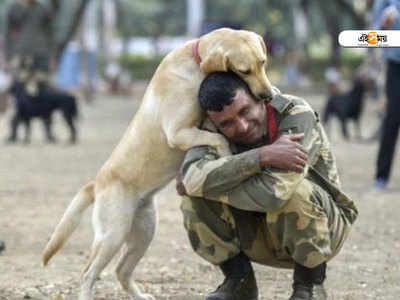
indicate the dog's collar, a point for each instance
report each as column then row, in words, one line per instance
column 195, row 51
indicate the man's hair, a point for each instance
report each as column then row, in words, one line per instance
column 218, row 89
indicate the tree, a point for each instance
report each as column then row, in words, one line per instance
column 152, row 18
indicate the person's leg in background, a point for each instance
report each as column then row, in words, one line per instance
column 391, row 125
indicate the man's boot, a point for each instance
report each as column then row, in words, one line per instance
column 308, row 283
column 240, row 282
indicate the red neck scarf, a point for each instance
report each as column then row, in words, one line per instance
column 272, row 125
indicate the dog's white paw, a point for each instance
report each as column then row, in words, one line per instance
column 222, row 146
column 224, row 150
column 148, row 297
column 142, row 297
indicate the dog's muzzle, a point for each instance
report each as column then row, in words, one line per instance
column 265, row 96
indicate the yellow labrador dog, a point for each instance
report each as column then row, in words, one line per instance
column 151, row 151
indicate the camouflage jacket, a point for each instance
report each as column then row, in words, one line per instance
column 29, row 30
column 238, row 180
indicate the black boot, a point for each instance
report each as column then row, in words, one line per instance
column 240, row 282
column 308, row 283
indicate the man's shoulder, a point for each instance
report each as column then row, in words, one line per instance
column 289, row 104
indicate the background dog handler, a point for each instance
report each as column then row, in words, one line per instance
column 386, row 15
column 28, row 52
column 269, row 202
column 29, row 42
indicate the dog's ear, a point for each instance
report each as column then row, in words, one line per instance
column 263, row 44
column 215, row 61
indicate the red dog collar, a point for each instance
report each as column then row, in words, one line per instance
column 195, row 51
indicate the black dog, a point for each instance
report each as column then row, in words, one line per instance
column 42, row 106
column 349, row 106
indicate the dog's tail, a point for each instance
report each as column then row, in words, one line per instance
column 71, row 219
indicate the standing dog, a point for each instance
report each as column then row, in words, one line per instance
column 349, row 106
column 151, row 151
column 41, row 106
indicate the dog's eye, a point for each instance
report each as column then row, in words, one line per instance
column 246, row 72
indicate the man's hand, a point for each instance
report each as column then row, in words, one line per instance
column 285, row 153
column 389, row 16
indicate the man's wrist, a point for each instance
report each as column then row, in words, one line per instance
column 264, row 158
column 248, row 162
column 255, row 159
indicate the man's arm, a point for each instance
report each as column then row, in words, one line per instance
column 240, row 180
column 384, row 13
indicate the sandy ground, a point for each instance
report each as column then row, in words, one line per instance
column 38, row 181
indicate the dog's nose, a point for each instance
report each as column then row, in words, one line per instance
column 265, row 96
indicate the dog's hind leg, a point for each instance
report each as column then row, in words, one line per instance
column 113, row 214
column 69, row 119
column 14, row 124
column 345, row 132
column 142, row 233
column 27, row 123
column 47, row 121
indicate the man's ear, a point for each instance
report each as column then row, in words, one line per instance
column 215, row 61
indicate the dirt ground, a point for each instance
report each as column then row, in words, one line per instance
column 37, row 182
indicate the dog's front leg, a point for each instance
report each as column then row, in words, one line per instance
column 181, row 129
column 27, row 123
column 14, row 128
column 186, row 138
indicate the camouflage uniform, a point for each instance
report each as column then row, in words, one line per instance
column 29, row 43
column 274, row 216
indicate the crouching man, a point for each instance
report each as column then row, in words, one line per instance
column 276, row 201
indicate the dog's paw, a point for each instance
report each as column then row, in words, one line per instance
column 10, row 140
column 147, row 297
column 224, row 150
column 52, row 140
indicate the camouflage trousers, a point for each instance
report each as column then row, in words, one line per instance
column 310, row 229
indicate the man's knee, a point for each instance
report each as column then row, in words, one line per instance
column 213, row 214
column 304, row 228
column 210, row 236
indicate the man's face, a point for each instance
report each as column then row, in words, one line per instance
column 242, row 122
